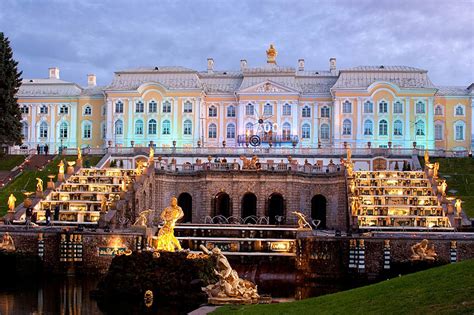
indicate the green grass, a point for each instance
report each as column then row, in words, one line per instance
column 26, row 181
column 443, row 290
column 7, row 162
column 459, row 174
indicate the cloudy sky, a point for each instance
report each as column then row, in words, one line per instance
column 101, row 37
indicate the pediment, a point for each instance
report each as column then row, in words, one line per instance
column 268, row 87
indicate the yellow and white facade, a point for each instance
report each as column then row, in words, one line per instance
column 373, row 106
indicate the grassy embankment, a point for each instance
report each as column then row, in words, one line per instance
column 7, row 162
column 442, row 290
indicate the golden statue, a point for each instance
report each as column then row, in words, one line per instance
column 79, row 153
column 142, row 219
column 421, row 251
column 39, row 184
column 435, row 169
column 427, row 157
column 352, row 187
column 271, row 54
column 11, row 202
column 151, row 156
column 444, row 185
column 458, row 207
column 7, row 243
column 349, row 154
column 103, row 204
column 166, row 239
column 349, row 168
column 229, row 289
column 249, row 164
column 61, row 167
column 302, row 222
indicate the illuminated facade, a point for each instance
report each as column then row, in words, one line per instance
column 373, row 106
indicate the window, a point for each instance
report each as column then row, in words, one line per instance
column 346, row 127
column 152, row 127
column 166, row 107
column 286, row 131
column 438, row 131
column 139, row 127
column 87, row 110
column 325, row 112
column 119, row 107
column 87, row 130
column 63, row 130
column 139, row 107
column 24, row 109
column 152, row 107
column 439, row 110
column 325, row 132
column 230, row 131
column 188, row 127
column 212, row 111
column 249, row 109
column 231, row 111
column 287, row 109
column 43, row 109
column 306, row 131
column 397, row 128
column 63, row 110
column 103, row 130
column 383, row 107
column 24, row 129
column 459, row 130
column 420, row 107
column 306, row 111
column 43, row 130
column 398, row 107
column 166, row 127
column 249, row 129
column 420, row 128
column 368, row 127
column 188, row 107
column 212, row 131
column 346, row 107
column 459, row 111
column 268, row 109
column 119, row 127
column 383, row 128
column 368, row 107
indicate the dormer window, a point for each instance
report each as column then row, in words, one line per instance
column 87, row 111
column 24, row 109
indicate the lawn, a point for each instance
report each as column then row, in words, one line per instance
column 442, row 290
column 459, row 174
column 7, row 162
column 26, row 181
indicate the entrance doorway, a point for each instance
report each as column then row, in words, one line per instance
column 249, row 205
column 318, row 210
column 185, row 201
column 222, row 205
column 276, row 208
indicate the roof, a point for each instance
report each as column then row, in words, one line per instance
column 48, row 87
column 93, row 91
column 453, row 91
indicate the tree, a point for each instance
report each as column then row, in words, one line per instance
column 10, row 81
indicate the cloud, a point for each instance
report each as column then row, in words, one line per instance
column 102, row 37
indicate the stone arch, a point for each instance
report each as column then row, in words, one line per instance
column 318, row 210
column 222, row 205
column 276, row 206
column 185, row 201
column 248, row 205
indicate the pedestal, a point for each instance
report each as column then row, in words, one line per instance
column 70, row 170
column 79, row 163
column 450, row 207
column 60, row 177
column 457, row 221
column 50, row 185
column 39, row 194
column 27, row 202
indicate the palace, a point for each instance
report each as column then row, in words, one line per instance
column 360, row 107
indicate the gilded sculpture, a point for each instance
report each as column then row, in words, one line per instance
column 435, row 169
column 229, row 289
column 79, row 154
column 61, row 167
column 427, row 157
column 458, row 207
column 11, row 202
column 421, row 251
column 166, row 239
column 7, row 243
column 349, row 155
column 302, row 222
column 249, row 164
column 444, row 185
column 151, row 156
column 142, row 219
column 349, row 168
column 271, row 54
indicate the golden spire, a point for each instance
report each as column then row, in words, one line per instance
column 271, row 54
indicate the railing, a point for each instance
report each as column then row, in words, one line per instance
column 266, row 138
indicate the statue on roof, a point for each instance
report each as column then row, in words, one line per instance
column 271, row 54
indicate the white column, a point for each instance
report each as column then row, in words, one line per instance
column 407, row 135
column 109, row 121
column 295, row 128
column 52, row 131
column 240, row 118
column 202, row 118
column 128, row 136
column 73, row 123
column 33, row 139
column 220, row 119
column 315, row 131
column 174, row 126
column 360, row 124
column 197, row 121
column 336, row 125
column 430, row 125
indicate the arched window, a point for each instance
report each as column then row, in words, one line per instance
column 438, row 131
column 398, row 128
column 383, row 128
column 268, row 109
column 306, row 112
column 63, row 110
column 325, row 132
column 286, row 131
column 167, row 107
column 212, row 111
column 152, row 107
column 249, row 129
column 420, row 128
column 398, row 107
column 368, row 107
column 212, row 132
column 24, row 130
column 63, row 130
column 166, row 127
column 346, row 127
column 420, row 107
column 306, row 131
column 139, row 107
column 346, row 107
column 119, row 127
column 43, row 109
column 43, row 130
column 188, row 107
column 87, row 110
column 439, row 110
column 119, row 107
column 249, row 109
column 231, row 111
column 325, row 112
column 139, row 127
column 230, row 131
column 368, row 128
column 459, row 130
column 24, row 109
column 383, row 107
column 459, row 110
column 86, row 130
column 152, row 127
column 187, row 127
column 287, row 109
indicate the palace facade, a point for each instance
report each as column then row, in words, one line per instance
column 377, row 106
